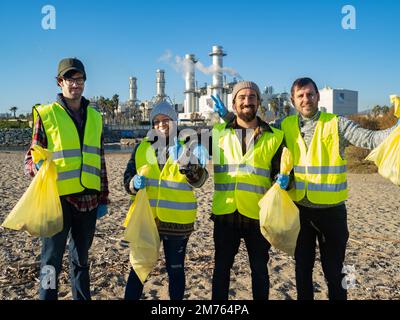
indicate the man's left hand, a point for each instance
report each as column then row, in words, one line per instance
column 102, row 210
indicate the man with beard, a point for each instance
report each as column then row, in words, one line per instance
column 317, row 141
column 246, row 156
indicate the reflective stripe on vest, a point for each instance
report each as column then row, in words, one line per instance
column 173, row 205
column 320, row 172
column 321, row 169
column 169, row 184
column 243, row 168
column 78, row 169
column 240, row 186
column 171, row 196
column 75, row 152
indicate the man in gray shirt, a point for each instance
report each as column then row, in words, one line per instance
column 317, row 141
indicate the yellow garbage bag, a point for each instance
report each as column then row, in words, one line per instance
column 142, row 234
column 143, row 171
column 396, row 102
column 279, row 216
column 387, row 157
column 39, row 210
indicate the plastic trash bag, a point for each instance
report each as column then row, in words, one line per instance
column 143, row 171
column 396, row 103
column 39, row 210
column 387, row 157
column 142, row 234
column 279, row 216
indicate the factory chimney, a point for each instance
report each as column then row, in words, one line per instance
column 160, row 85
column 132, row 90
column 190, row 90
column 217, row 55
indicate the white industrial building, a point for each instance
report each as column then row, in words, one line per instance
column 338, row 101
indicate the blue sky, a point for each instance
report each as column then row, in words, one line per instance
column 269, row 42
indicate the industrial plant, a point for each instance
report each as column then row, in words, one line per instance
column 198, row 105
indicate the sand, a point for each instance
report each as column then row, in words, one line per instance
column 373, row 249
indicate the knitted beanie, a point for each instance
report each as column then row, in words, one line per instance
column 163, row 108
column 245, row 85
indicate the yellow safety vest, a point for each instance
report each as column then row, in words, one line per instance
column 78, row 166
column 171, row 197
column 240, row 181
column 320, row 171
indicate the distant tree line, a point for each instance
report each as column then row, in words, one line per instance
column 106, row 106
column 380, row 110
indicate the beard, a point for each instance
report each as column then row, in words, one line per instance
column 249, row 115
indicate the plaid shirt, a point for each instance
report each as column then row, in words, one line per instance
column 85, row 202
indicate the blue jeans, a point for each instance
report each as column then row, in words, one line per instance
column 80, row 227
column 175, row 252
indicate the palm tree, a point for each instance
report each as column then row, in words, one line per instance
column 286, row 108
column 385, row 109
column 115, row 103
column 273, row 104
column 14, row 110
column 376, row 111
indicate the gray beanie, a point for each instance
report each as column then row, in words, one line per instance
column 163, row 108
column 245, row 85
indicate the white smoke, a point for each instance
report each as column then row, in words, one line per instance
column 181, row 65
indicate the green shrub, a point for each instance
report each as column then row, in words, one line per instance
column 18, row 124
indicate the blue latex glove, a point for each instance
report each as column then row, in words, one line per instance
column 398, row 122
column 176, row 150
column 139, row 182
column 219, row 106
column 102, row 210
column 283, row 181
column 201, row 153
column 39, row 164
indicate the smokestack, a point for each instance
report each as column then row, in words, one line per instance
column 190, row 96
column 132, row 90
column 217, row 55
column 160, row 85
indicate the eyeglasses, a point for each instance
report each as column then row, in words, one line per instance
column 71, row 81
column 161, row 122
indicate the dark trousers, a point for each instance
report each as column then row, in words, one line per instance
column 329, row 226
column 227, row 241
column 80, row 227
column 175, row 252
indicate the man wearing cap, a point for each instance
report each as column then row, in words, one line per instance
column 73, row 131
column 175, row 169
column 246, row 156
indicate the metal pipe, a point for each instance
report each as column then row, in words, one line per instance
column 160, row 85
column 190, row 90
column 132, row 89
column 217, row 55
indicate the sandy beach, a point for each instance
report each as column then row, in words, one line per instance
column 373, row 248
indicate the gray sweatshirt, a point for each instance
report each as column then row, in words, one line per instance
column 349, row 133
